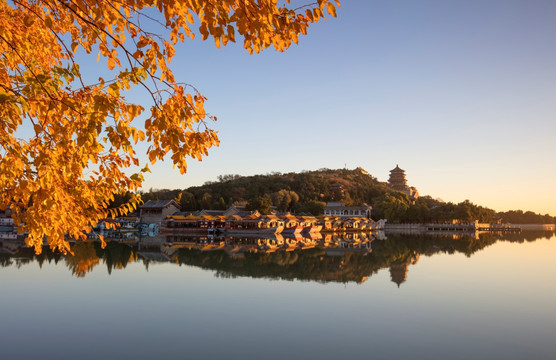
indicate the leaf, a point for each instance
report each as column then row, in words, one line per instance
column 28, row 20
column 331, row 9
column 143, row 41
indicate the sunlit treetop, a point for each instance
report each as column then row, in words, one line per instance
column 66, row 143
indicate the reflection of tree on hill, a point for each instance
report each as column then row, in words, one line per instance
column 5, row 260
column 27, row 255
column 527, row 236
column 84, row 258
column 116, row 256
column 48, row 256
column 311, row 264
column 395, row 254
column 87, row 255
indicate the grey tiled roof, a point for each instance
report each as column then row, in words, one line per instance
column 213, row 212
column 156, row 204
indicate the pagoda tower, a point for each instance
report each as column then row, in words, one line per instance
column 397, row 179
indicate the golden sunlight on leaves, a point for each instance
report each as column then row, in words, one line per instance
column 59, row 181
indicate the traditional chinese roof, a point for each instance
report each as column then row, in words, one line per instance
column 251, row 217
column 233, row 217
column 158, row 204
column 397, row 169
column 207, row 217
column 290, row 217
column 212, row 212
column 270, row 217
column 332, row 205
column 181, row 217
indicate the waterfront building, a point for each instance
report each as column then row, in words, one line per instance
column 211, row 213
column 6, row 217
column 6, row 221
column 239, row 209
column 154, row 211
column 340, row 210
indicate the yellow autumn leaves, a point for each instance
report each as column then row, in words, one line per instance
column 60, row 178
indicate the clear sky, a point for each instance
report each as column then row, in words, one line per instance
column 460, row 94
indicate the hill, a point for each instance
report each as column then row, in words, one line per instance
column 309, row 191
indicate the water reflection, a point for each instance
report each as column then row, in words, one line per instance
column 333, row 258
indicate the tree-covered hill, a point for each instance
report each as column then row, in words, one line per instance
column 309, row 191
column 296, row 192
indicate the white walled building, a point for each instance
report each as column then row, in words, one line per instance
column 339, row 209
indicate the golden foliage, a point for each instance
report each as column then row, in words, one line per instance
column 60, row 178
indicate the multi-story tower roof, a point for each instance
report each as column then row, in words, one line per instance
column 397, row 179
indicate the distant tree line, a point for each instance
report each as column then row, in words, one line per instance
column 527, row 217
column 309, row 191
column 397, row 207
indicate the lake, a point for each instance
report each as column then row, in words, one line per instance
column 400, row 296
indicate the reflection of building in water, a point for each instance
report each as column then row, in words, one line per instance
column 398, row 182
column 10, row 246
column 151, row 250
column 398, row 271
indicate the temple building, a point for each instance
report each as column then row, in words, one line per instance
column 339, row 209
column 154, row 211
column 398, row 182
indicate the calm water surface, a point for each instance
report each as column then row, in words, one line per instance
column 408, row 296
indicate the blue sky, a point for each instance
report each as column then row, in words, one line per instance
column 460, row 94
